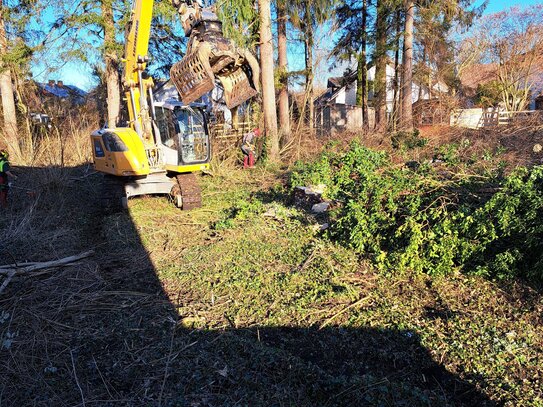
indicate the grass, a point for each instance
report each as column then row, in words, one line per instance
column 245, row 263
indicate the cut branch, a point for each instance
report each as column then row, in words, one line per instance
column 24, row 268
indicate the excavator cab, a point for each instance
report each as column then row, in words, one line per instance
column 184, row 135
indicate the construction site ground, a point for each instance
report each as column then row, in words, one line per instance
column 230, row 306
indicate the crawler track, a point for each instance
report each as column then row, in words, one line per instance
column 190, row 191
column 111, row 194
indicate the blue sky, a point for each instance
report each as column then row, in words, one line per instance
column 500, row 5
column 79, row 74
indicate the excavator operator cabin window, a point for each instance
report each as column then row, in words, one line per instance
column 166, row 122
column 193, row 138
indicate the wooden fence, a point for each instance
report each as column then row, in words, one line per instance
column 226, row 138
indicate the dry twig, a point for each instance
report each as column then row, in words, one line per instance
column 354, row 304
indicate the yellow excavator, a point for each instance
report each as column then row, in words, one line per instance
column 165, row 143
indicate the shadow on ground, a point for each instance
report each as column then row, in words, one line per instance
column 104, row 333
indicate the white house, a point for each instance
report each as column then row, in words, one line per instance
column 343, row 90
column 336, row 109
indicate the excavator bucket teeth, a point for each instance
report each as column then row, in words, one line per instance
column 237, row 88
column 193, row 77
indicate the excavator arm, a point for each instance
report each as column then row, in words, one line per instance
column 136, row 85
column 212, row 59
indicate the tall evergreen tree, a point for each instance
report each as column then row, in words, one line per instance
column 103, row 22
column 307, row 16
column 406, row 116
column 112, row 62
column 240, row 22
column 352, row 20
column 282, row 62
column 380, row 59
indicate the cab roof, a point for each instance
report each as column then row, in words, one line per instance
column 173, row 103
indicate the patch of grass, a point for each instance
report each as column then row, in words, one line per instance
column 255, row 267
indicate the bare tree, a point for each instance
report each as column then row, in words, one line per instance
column 511, row 44
column 284, row 116
column 515, row 44
column 268, row 85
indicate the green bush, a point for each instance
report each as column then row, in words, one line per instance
column 418, row 221
column 408, row 140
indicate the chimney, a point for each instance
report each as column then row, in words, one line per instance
column 60, row 84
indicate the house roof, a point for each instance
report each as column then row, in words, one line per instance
column 340, row 81
column 63, row 91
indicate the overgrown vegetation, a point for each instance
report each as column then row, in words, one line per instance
column 430, row 217
column 261, row 266
column 245, row 302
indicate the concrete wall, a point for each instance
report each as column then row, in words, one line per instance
column 470, row 118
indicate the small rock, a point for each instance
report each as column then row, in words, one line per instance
column 318, row 189
column 270, row 213
column 537, row 148
column 319, row 227
column 305, row 197
column 320, row 207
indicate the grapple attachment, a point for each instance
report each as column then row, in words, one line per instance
column 193, row 76
column 237, row 88
column 211, row 56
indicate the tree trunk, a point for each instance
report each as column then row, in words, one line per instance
column 8, row 100
column 422, row 63
column 406, row 121
column 380, row 67
column 112, row 65
column 396, row 103
column 362, row 71
column 284, row 116
column 268, row 85
column 308, row 42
